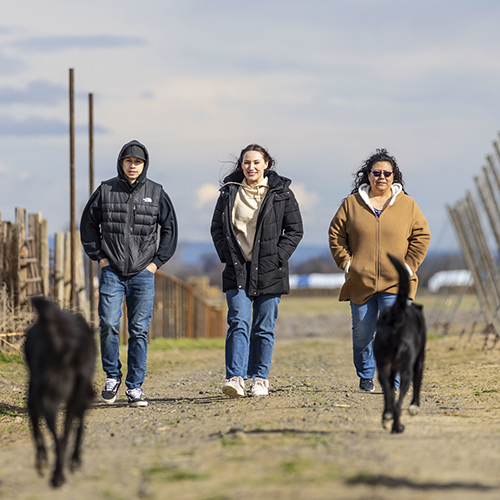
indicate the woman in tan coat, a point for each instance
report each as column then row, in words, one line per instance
column 377, row 218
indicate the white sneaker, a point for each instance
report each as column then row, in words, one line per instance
column 234, row 387
column 259, row 387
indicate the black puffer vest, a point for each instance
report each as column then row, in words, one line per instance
column 129, row 223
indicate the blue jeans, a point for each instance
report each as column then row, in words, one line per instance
column 249, row 349
column 139, row 291
column 364, row 323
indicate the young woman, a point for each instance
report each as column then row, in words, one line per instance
column 255, row 228
column 376, row 219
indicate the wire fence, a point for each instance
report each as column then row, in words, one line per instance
column 180, row 311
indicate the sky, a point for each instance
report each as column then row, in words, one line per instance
column 320, row 84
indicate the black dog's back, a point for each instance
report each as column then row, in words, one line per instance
column 399, row 347
column 60, row 353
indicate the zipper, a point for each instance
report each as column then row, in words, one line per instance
column 378, row 253
column 130, row 212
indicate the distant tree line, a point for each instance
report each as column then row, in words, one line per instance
column 210, row 266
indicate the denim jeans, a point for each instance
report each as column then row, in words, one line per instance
column 139, row 291
column 364, row 322
column 250, row 336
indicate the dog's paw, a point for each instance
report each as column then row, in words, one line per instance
column 75, row 463
column 397, row 429
column 413, row 410
column 387, row 421
column 58, row 479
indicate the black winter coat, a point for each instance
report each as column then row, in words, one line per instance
column 279, row 231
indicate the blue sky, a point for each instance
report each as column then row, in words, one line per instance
column 321, row 84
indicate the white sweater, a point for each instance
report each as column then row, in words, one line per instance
column 245, row 213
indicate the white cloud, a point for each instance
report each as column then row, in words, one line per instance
column 307, row 199
column 206, row 195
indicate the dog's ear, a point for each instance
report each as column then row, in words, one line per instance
column 45, row 308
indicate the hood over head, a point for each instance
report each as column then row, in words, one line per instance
column 135, row 149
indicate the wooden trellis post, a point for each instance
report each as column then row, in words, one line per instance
column 488, row 306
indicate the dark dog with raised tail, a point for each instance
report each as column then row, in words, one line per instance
column 399, row 347
column 60, row 352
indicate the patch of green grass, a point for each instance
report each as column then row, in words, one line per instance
column 173, row 422
column 240, row 458
column 296, row 466
column 185, row 344
column 231, row 441
column 10, row 358
column 110, row 495
column 319, row 440
column 433, row 336
column 169, row 473
column 8, row 413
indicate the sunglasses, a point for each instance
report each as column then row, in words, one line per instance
column 378, row 173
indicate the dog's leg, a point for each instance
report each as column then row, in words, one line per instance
column 63, row 445
column 397, row 426
column 41, row 451
column 58, row 478
column 76, row 460
column 417, row 382
column 384, row 380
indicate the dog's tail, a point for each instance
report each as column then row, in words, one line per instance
column 404, row 283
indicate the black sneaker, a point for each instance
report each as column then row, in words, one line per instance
column 111, row 386
column 366, row 384
column 136, row 397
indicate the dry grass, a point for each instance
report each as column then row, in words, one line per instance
column 13, row 323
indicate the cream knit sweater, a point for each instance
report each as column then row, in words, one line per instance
column 245, row 213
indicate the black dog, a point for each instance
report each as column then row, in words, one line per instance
column 60, row 352
column 399, row 347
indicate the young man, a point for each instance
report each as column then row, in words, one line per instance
column 119, row 229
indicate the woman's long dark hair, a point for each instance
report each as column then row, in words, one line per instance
column 271, row 162
column 361, row 176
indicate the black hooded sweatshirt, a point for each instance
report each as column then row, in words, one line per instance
column 121, row 221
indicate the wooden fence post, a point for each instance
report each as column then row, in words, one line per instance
column 59, row 264
column 68, row 276
column 44, row 258
column 81, row 289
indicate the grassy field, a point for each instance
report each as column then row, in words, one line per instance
column 309, row 306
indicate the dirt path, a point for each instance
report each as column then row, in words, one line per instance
column 314, row 437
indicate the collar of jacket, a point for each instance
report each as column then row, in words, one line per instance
column 365, row 188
